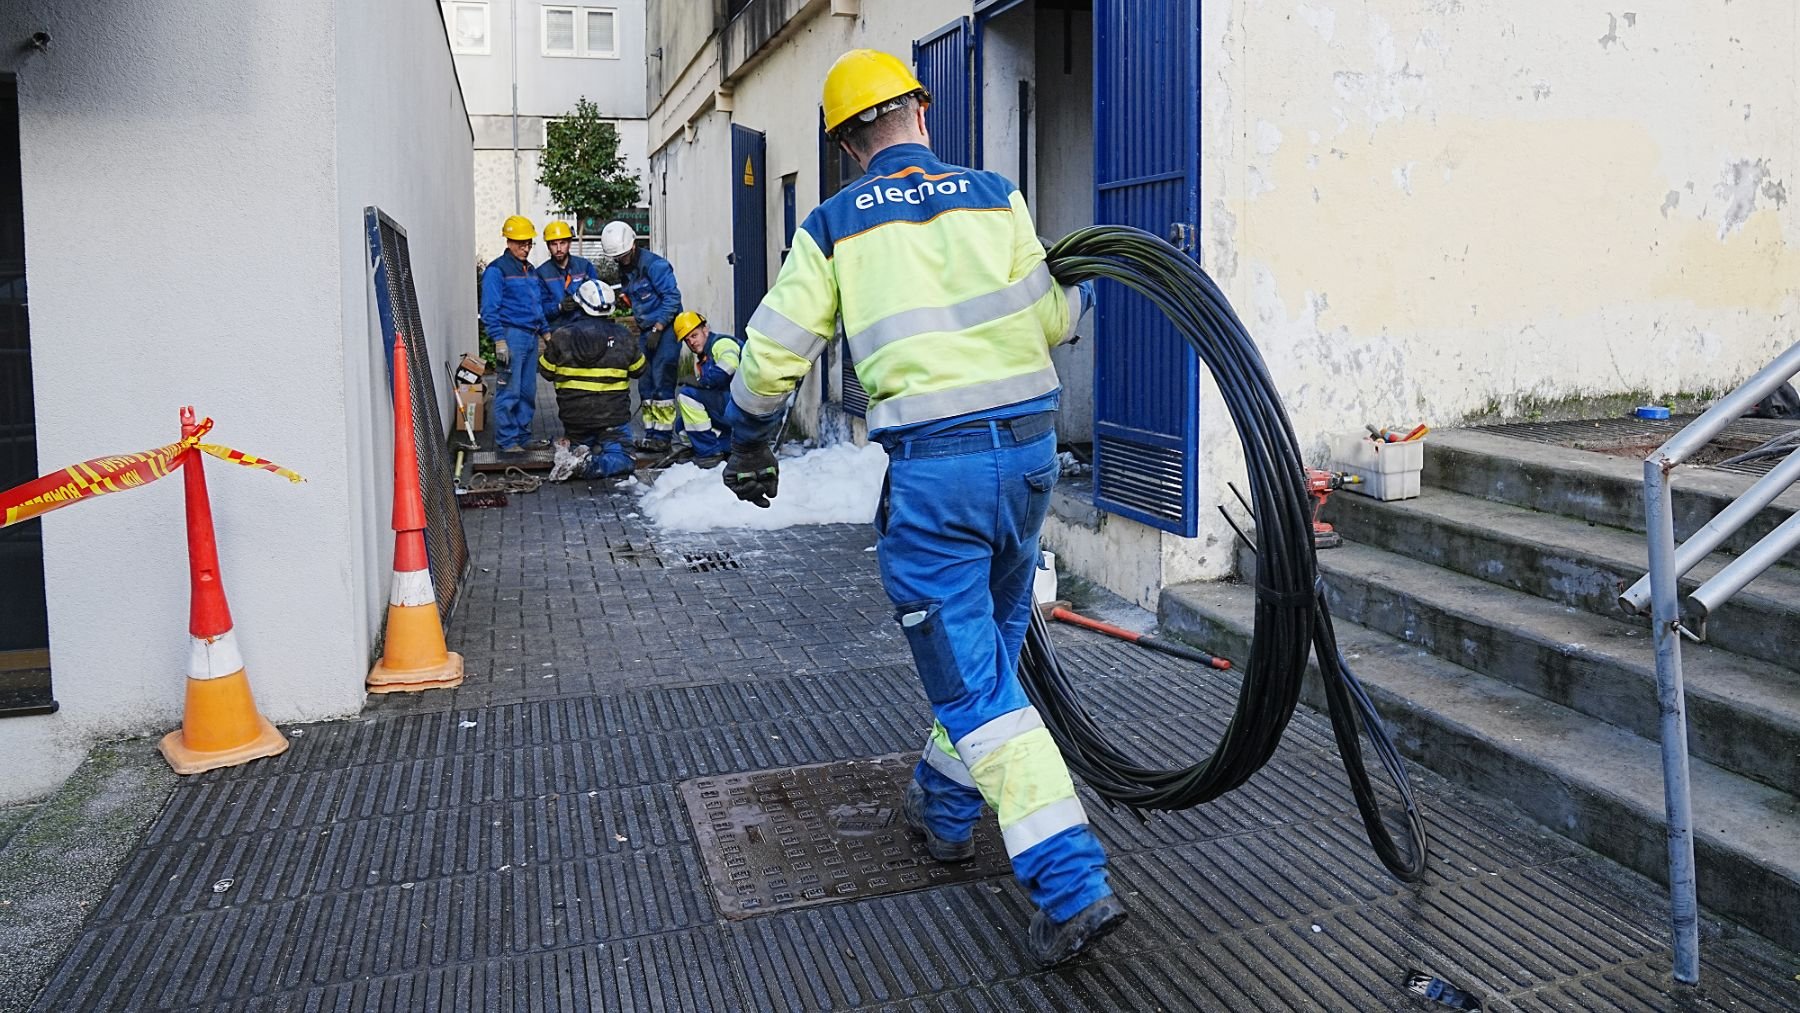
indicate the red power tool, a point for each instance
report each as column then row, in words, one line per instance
column 1320, row 485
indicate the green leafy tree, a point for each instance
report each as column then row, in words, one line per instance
column 582, row 168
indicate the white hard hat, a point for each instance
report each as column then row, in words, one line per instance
column 617, row 239
column 594, row 297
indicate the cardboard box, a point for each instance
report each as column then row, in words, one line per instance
column 1389, row 471
column 471, row 407
column 470, row 371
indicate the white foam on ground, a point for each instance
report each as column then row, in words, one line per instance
column 839, row 484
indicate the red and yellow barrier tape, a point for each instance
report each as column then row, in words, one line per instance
column 116, row 474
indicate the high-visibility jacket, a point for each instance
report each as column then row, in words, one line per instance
column 592, row 363
column 650, row 283
column 560, row 283
column 511, row 297
column 939, row 277
column 716, row 364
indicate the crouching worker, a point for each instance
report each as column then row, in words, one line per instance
column 705, row 393
column 592, row 362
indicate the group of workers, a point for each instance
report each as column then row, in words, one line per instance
column 592, row 359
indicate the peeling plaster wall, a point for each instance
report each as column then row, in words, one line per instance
column 1425, row 210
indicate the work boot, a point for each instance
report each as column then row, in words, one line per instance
column 651, row 445
column 538, row 444
column 913, row 811
column 710, row 461
column 1053, row 943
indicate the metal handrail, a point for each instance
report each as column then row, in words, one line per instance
column 1667, row 565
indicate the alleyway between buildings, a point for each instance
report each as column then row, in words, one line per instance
column 523, row 843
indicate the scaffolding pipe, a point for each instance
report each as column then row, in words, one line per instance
column 1666, row 623
column 1721, row 527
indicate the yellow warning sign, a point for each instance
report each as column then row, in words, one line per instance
column 749, row 173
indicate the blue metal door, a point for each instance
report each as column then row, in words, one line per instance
column 749, row 224
column 946, row 67
column 1147, row 174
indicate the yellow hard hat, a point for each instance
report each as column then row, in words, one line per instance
column 686, row 321
column 518, row 227
column 558, row 230
column 863, row 79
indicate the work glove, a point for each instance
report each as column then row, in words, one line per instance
column 652, row 339
column 502, row 354
column 752, row 474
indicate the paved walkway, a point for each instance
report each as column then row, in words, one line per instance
column 520, row 843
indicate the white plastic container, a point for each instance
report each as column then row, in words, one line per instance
column 1043, row 584
column 1389, row 471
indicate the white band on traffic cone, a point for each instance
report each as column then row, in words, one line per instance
column 215, row 657
column 412, row 588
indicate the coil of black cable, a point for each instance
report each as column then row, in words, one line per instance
column 1292, row 620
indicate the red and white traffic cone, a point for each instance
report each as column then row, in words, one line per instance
column 413, row 655
column 220, row 726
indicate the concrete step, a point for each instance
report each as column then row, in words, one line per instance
column 1565, row 560
column 1600, row 488
column 1598, row 785
column 1743, row 714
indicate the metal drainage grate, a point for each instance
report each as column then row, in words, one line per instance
column 707, row 562
column 799, row 836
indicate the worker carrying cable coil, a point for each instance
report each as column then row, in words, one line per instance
column 949, row 304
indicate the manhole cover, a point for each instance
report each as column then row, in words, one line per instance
column 706, row 562
column 799, row 836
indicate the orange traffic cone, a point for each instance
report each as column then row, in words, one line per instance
column 413, row 656
column 220, row 726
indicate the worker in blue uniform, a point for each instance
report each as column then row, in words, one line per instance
column 703, row 395
column 938, row 277
column 562, row 274
column 655, row 300
column 512, row 310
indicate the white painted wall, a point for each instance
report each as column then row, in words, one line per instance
column 202, row 147
column 1424, row 211
column 407, row 153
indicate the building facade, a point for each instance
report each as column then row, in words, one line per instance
column 523, row 63
column 193, row 185
column 1423, row 213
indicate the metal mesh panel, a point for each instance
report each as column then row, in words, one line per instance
column 397, row 300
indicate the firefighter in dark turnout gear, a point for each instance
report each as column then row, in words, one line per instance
column 592, row 362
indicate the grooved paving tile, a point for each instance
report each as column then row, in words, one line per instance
column 460, row 850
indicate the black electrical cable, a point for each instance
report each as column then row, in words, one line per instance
column 1292, row 620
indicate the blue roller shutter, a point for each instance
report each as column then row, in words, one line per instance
column 1147, row 174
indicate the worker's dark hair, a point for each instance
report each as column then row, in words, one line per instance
column 874, row 134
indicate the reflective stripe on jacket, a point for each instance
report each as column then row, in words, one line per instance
column 717, row 362
column 938, row 275
column 592, row 363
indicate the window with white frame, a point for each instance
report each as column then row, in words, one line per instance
column 591, row 32
column 467, row 21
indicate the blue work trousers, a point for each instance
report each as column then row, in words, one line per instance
column 701, row 415
column 515, row 400
column 657, row 388
column 959, row 524
column 608, row 457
